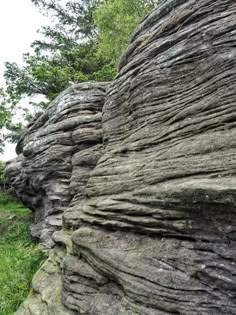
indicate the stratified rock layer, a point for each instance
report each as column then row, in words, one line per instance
column 157, row 229
column 57, row 153
column 161, row 200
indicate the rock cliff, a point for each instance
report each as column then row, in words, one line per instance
column 154, row 231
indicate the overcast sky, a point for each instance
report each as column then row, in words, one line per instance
column 19, row 21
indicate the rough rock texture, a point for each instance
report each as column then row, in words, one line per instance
column 45, row 297
column 56, row 155
column 166, row 183
column 157, row 229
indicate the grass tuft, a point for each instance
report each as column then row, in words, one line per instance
column 20, row 257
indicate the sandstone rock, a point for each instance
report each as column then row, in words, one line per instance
column 157, row 216
column 56, row 155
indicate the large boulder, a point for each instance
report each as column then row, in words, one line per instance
column 156, row 225
column 56, row 155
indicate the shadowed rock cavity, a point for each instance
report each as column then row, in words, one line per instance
column 56, row 155
column 157, row 229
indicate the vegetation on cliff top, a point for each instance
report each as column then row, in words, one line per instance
column 84, row 42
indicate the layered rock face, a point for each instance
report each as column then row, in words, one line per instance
column 161, row 200
column 157, row 225
column 56, row 155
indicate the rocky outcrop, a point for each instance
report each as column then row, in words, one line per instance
column 56, row 155
column 156, row 230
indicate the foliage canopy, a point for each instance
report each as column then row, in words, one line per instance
column 116, row 21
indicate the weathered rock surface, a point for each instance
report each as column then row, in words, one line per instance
column 56, row 155
column 47, row 283
column 157, row 225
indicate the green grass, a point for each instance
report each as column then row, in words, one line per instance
column 8, row 203
column 20, row 258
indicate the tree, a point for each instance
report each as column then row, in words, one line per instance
column 72, row 21
column 67, row 55
column 48, row 75
column 116, row 21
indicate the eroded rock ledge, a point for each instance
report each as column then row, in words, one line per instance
column 56, row 155
column 156, row 229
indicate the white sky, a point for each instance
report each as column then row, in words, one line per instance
column 19, row 21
